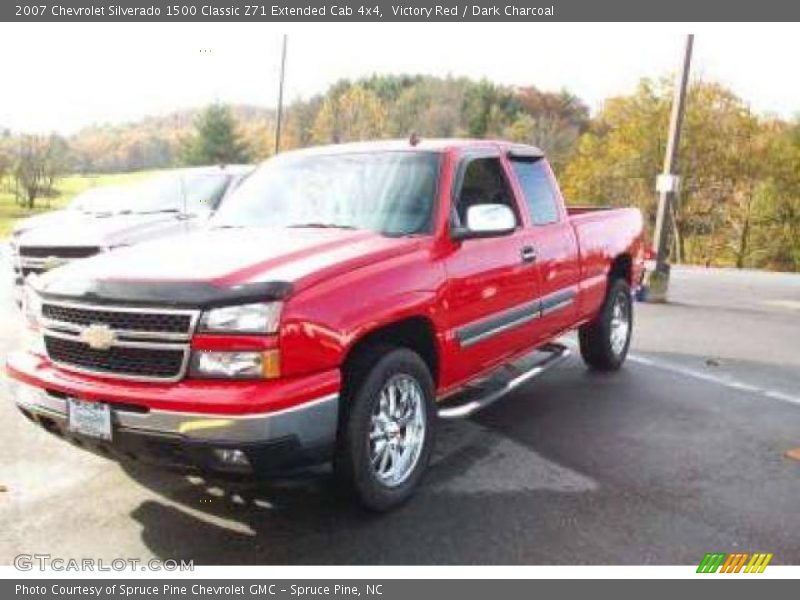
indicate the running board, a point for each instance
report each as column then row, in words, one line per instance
column 477, row 396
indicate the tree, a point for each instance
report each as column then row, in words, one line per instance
column 259, row 139
column 551, row 121
column 5, row 161
column 389, row 88
column 216, row 139
column 552, row 134
column 356, row 114
column 479, row 102
column 300, row 118
column 38, row 163
column 729, row 161
column 776, row 234
column 616, row 160
column 430, row 107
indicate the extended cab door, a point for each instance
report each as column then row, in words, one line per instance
column 557, row 260
column 491, row 290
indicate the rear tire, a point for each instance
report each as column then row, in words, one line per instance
column 388, row 427
column 605, row 341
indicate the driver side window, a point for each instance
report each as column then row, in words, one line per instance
column 484, row 182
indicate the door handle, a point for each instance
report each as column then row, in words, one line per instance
column 528, row 254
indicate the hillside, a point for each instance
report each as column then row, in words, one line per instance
column 373, row 107
column 153, row 142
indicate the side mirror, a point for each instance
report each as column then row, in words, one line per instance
column 485, row 221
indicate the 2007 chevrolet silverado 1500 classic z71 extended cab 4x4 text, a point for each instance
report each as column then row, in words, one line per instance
column 339, row 303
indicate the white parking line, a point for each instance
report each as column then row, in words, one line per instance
column 723, row 381
column 727, row 382
column 790, row 304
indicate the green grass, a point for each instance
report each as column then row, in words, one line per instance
column 66, row 189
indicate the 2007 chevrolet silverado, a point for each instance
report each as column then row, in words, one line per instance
column 342, row 301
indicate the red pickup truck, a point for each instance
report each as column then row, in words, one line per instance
column 342, row 301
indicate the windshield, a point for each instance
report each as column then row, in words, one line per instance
column 387, row 192
column 176, row 192
column 100, row 199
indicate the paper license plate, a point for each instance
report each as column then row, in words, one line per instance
column 90, row 418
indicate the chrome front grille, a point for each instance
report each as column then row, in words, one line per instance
column 65, row 252
column 39, row 259
column 144, row 344
column 154, row 322
column 117, row 360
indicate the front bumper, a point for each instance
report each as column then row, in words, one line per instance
column 272, row 442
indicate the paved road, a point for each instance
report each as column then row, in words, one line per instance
column 679, row 454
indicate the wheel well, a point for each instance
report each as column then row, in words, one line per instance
column 622, row 268
column 414, row 333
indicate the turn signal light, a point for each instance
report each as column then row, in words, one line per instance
column 271, row 364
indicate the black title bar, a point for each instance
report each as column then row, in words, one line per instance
column 733, row 588
column 399, row 10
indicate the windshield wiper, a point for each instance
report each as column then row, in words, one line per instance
column 320, row 226
column 158, row 211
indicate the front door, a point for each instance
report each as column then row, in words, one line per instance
column 491, row 292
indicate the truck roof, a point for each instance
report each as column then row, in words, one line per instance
column 429, row 145
column 213, row 170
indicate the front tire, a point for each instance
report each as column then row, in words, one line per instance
column 605, row 341
column 387, row 433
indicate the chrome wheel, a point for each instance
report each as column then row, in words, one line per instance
column 397, row 430
column 620, row 324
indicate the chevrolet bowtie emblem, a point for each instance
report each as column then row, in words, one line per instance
column 98, row 337
column 51, row 262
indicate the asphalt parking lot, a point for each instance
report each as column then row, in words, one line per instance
column 679, row 454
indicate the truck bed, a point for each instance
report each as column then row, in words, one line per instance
column 604, row 233
column 621, row 227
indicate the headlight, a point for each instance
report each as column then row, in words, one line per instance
column 235, row 365
column 33, row 342
column 32, row 338
column 247, row 318
column 31, row 306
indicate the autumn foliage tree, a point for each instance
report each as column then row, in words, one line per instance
column 355, row 114
column 733, row 164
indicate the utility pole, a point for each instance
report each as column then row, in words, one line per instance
column 280, row 98
column 668, row 183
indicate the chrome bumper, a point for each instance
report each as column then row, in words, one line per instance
column 312, row 423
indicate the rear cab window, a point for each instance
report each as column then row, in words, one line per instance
column 537, row 188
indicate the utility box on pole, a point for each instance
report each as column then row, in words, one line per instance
column 668, row 185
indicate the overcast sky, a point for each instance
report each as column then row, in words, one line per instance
column 61, row 77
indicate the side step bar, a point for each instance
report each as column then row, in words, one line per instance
column 477, row 396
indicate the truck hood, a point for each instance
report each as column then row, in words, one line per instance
column 105, row 231
column 207, row 266
column 42, row 220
